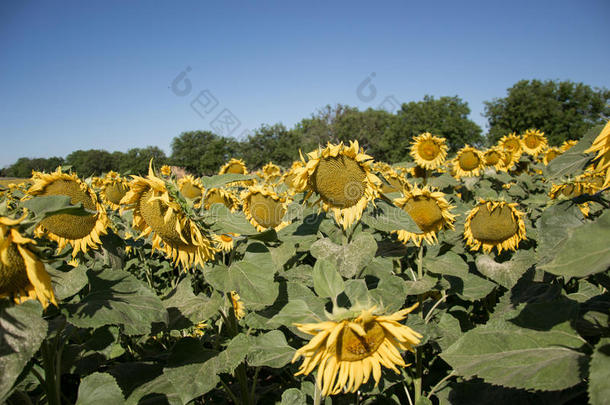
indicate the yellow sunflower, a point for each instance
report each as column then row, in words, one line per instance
column 396, row 181
column 271, row 173
column 493, row 157
column 289, row 177
column 494, row 224
column 428, row 151
column 80, row 231
column 238, row 306
column 509, row 159
column 601, row 145
column 224, row 242
column 113, row 188
column 22, row 274
column 566, row 145
column 156, row 212
column 347, row 352
column 166, row 170
column 264, row 208
column 533, row 142
column 190, row 187
column 468, row 162
column 341, row 175
column 571, row 189
column 594, row 179
column 220, row 196
column 429, row 210
column 550, row 154
column 511, row 142
column 234, row 166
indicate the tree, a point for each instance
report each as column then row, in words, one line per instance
column 23, row 166
column 271, row 143
column 202, row 152
column 136, row 160
column 446, row 117
column 92, row 162
column 563, row 110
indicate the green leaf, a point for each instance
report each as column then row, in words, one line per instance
column 586, row 250
column 293, row 396
column 22, row 330
column 391, row 218
column 390, row 293
column 350, row 258
column 295, row 311
column 225, row 221
column 144, row 383
column 271, row 350
column 574, row 160
column 424, row 284
column 118, row 298
column 99, row 388
column 254, row 283
column 448, row 263
column 423, row 401
column 45, row 206
column 327, row 282
column 235, row 353
column 282, row 254
column 599, row 373
column 507, row 273
column 222, row 179
column 218, row 277
column 470, row 287
column 518, row 358
column 67, row 283
column 555, row 224
column 357, row 292
column 185, row 309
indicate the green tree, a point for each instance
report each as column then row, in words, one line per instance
column 446, row 117
column 92, row 162
column 272, row 143
column 136, row 160
column 202, row 152
column 23, row 166
column 563, row 110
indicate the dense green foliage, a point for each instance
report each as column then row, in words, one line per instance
column 24, row 166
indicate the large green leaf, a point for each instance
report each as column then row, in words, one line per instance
column 585, row 251
column 326, row 280
column 99, row 388
column 271, row 350
column 185, row 309
column 293, row 396
column 22, row 330
column 390, row 218
column 295, row 311
column 67, row 283
column 470, row 287
column 519, row 358
column 599, row 373
column 555, row 224
column 144, row 383
column 254, row 283
column 225, row 221
column 118, row 298
column 507, row 273
column 350, row 258
column 574, row 160
column 45, row 206
column 448, row 263
column 222, row 179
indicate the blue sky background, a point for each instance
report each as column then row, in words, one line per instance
column 98, row 74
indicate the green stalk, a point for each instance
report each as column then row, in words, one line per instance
column 417, row 381
column 48, row 362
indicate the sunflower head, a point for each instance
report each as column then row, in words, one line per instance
column 166, row 171
column 550, row 154
column 238, row 306
column 220, row 196
column 494, row 224
column 533, row 142
column 342, row 177
column 271, row 173
column 601, row 146
column 468, row 162
column 429, row 210
column 156, row 211
column 190, row 187
column 80, row 231
column 566, row 145
column 571, row 189
column 234, row 166
column 493, row 157
column 509, row 159
column 22, row 274
column 264, row 208
column 113, row 188
column 511, row 142
column 347, row 352
column 396, row 182
column 225, row 242
column 429, row 151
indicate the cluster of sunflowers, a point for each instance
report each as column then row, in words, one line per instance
column 173, row 214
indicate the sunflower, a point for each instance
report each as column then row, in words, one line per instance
column 429, row 210
column 271, row 173
column 428, row 151
column 80, row 231
column 417, row 172
column 166, row 170
column 347, row 352
column 113, row 188
column 571, row 189
column 550, row 154
column 264, row 208
column 396, row 182
column 509, row 159
column 533, row 142
column 601, row 145
column 511, row 142
column 225, row 242
column 190, row 187
column 494, row 224
column 157, row 212
column 238, row 306
column 234, row 166
column 341, row 175
column 594, row 179
column 289, row 177
column 22, row 274
column 468, row 162
column 566, row 145
column 493, row 157
column 220, row 196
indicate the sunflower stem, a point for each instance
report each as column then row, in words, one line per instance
column 317, row 395
column 417, row 381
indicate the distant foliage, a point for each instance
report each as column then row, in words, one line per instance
column 24, row 166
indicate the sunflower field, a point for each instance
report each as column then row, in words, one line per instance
column 479, row 277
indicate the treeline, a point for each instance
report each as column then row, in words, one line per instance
column 563, row 110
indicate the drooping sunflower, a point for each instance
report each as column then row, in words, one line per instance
column 347, row 352
column 289, row 177
column 166, row 170
column 157, row 213
column 494, row 224
column 550, row 154
column 566, row 145
column 80, row 231
column 509, row 159
column 341, row 175
column 271, row 173
column 429, row 210
column 571, row 189
column 264, row 208
column 601, row 145
column 238, row 306
column 594, row 179
column 428, row 151
column 396, row 182
column 113, row 188
column 533, row 142
column 190, row 187
column 468, row 162
column 493, row 157
column 220, row 195
column 22, row 274
column 234, row 166
column 224, row 242
column 511, row 142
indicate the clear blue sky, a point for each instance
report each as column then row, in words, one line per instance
column 98, row 74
